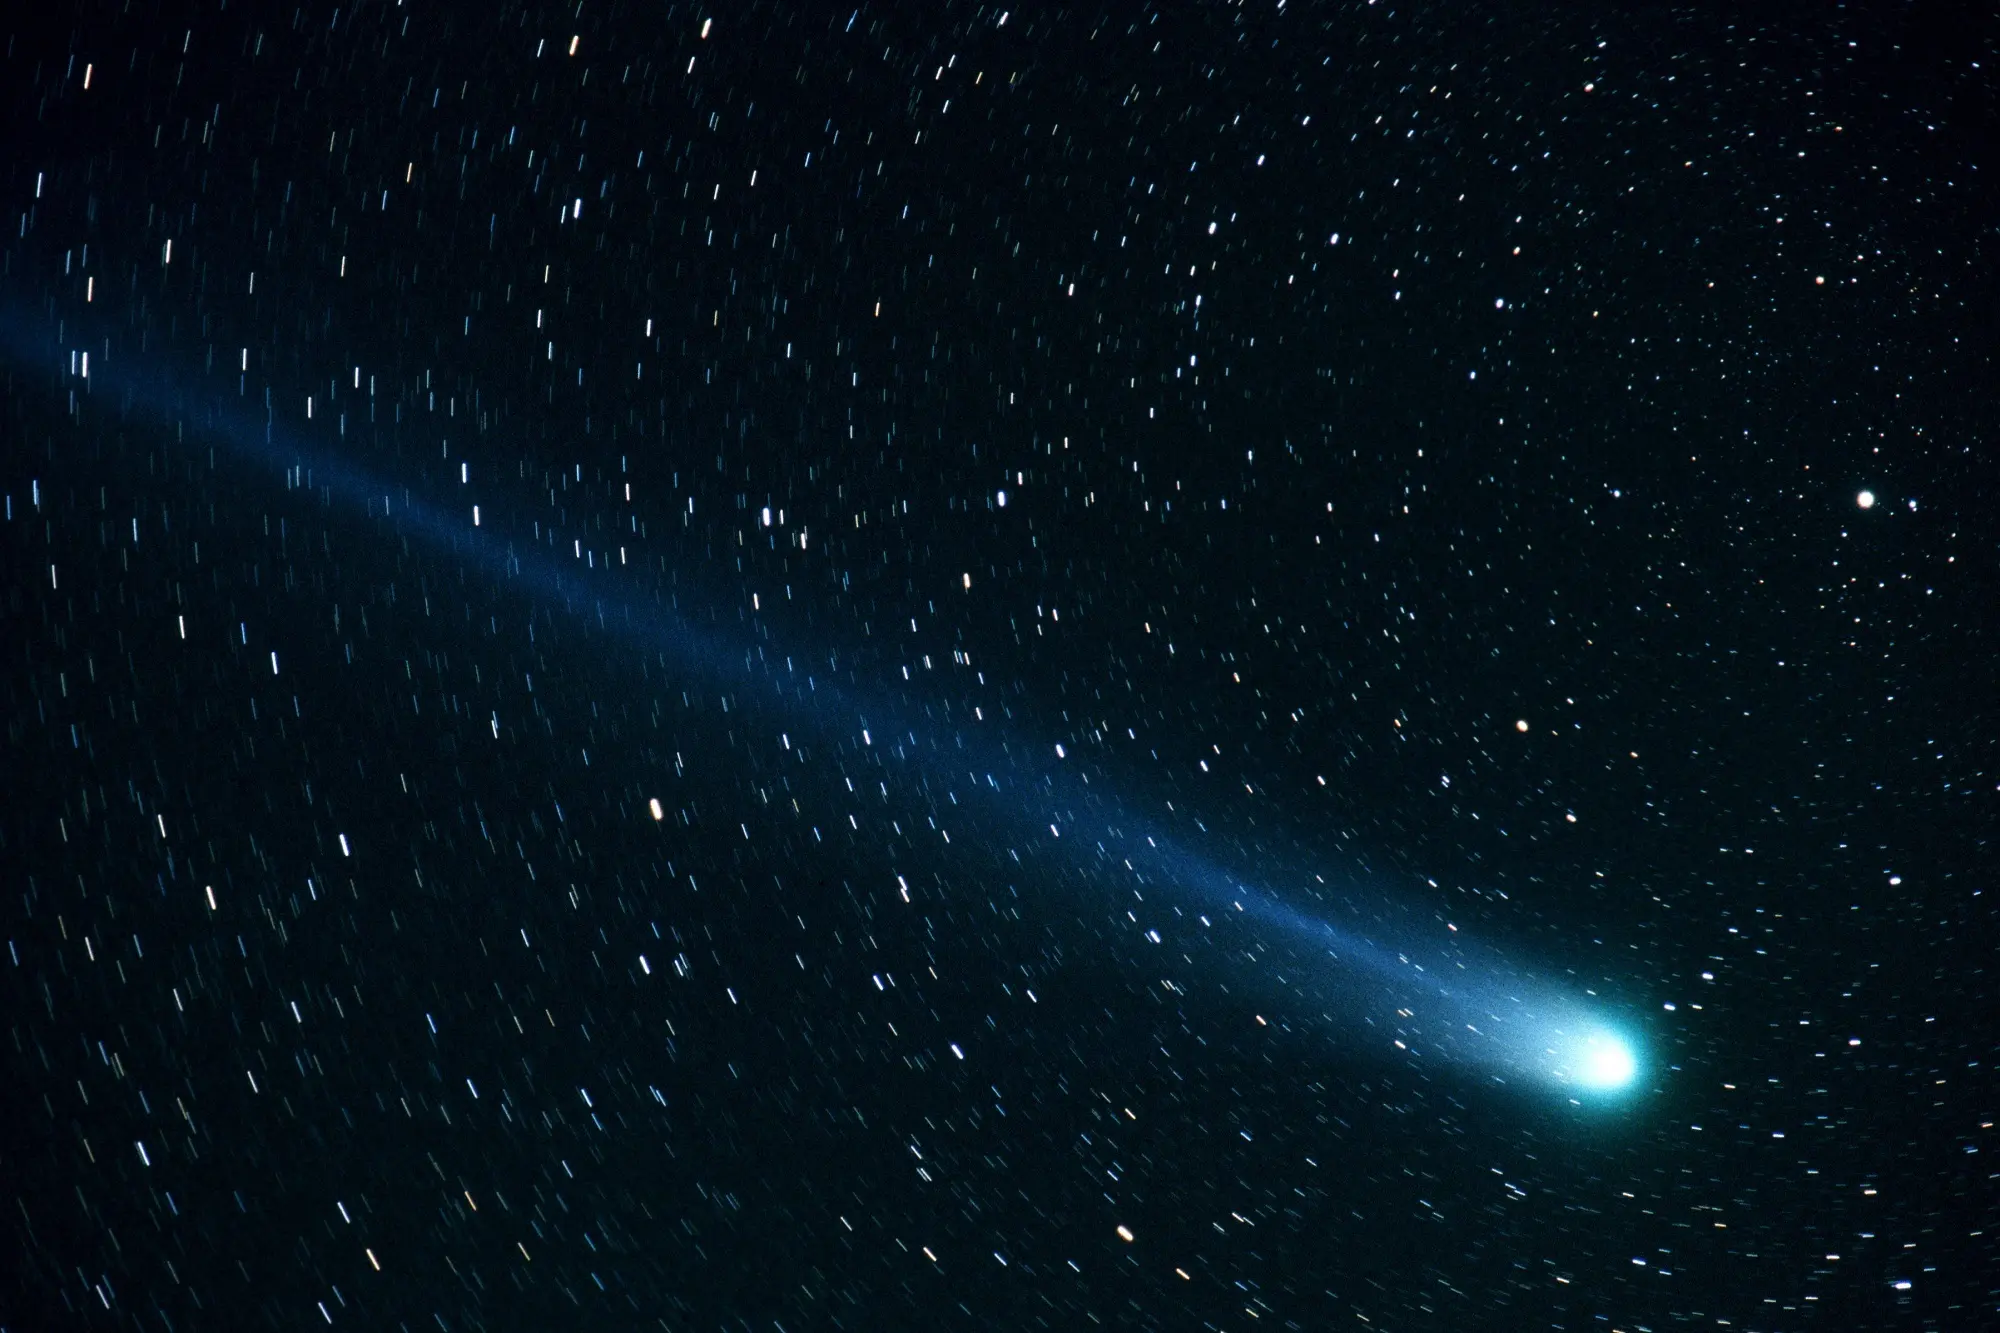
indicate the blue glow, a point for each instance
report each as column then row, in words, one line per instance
column 1597, row 1060
column 1337, row 953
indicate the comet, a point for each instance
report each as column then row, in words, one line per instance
column 1428, row 999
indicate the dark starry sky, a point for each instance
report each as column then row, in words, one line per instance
column 1432, row 442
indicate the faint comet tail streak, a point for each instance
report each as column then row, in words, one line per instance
column 1478, row 1011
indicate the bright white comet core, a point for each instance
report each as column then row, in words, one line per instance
column 1597, row 1061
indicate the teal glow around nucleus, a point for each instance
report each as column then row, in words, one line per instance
column 1596, row 1060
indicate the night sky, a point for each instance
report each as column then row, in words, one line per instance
column 790, row 668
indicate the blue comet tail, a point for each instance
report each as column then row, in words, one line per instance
column 1427, row 998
